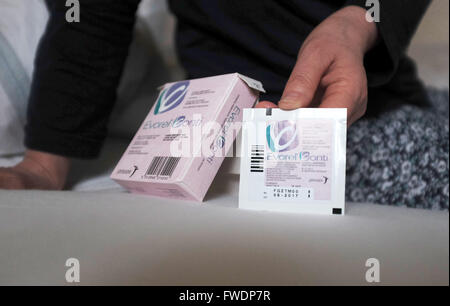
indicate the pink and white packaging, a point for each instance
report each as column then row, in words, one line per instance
column 180, row 146
column 294, row 161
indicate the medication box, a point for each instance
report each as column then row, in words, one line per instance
column 294, row 161
column 180, row 146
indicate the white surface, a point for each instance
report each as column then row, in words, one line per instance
column 121, row 238
column 22, row 22
column 11, row 129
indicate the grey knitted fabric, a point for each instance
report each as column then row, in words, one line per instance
column 402, row 157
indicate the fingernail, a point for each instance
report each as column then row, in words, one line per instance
column 289, row 104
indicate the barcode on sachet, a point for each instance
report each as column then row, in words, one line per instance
column 257, row 158
column 163, row 166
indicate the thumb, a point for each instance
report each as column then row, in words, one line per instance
column 266, row 104
column 303, row 82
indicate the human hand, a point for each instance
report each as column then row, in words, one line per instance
column 38, row 170
column 330, row 70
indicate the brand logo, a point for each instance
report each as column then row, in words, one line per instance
column 221, row 139
column 171, row 97
column 282, row 136
column 220, row 142
column 135, row 168
column 178, row 122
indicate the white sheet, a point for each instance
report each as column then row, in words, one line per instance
column 121, row 238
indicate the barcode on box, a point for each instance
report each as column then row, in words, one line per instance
column 163, row 166
column 257, row 158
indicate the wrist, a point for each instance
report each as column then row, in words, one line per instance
column 358, row 29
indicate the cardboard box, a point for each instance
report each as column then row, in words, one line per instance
column 180, row 146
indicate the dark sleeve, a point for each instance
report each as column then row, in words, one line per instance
column 398, row 22
column 77, row 71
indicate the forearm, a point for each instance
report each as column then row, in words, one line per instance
column 77, row 71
